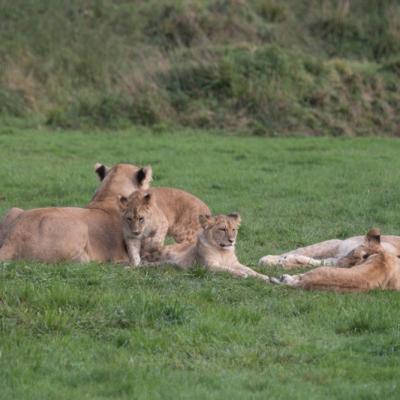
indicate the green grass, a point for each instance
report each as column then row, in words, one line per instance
column 100, row 331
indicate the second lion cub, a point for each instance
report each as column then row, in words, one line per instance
column 214, row 249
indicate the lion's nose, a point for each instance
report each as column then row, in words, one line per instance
column 231, row 240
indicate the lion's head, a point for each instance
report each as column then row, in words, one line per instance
column 221, row 230
column 122, row 179
column 372, row 245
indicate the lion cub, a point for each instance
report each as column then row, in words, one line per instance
column 214, row 249
column 144, row 225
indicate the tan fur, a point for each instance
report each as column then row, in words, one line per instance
column 144, row 225
column 329, row 253
column 214, row 248
column 149, row 216
column 93, row 233
column 8, row 219
column 372, row 267
column 180, row 210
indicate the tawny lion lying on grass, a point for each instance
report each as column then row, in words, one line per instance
column 143, row 222
column 330, row 253
column 372, row 267
column 94, row 233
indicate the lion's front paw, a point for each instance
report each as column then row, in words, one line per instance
column 135, row 260
column 265, row 278
column 269, row 261
column 241, row 274
column 288, row 280
column 276, row 281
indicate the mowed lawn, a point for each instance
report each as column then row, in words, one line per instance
column 100, row 331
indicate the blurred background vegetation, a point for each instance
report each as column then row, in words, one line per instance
column 260, row 67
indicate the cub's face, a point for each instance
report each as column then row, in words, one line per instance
column 221, row 230
column 361, row 253
column 136, row 210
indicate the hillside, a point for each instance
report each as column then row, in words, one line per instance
column 261, row 67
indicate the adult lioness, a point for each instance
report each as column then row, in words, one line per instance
column 214, row 248
column 93, row 233
column 330, row 253
column 373, row 267
column 180, row 212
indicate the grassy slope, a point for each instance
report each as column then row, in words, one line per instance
column 264, row 67
column 92, row 331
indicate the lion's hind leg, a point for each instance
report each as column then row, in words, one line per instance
column 330, row 278
column 309, row 256
column 291, row 261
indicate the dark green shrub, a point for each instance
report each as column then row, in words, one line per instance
column 12, row 103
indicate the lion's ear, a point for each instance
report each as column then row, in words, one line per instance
column 235, row 217
column 147, row 198
column 205, row 220
column 101, row 170
column 374, row 236
column 143, row 177
column 123, row 202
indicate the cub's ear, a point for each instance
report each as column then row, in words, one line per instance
column 205, row 220
column 235, row 217
column 101, row 170
column 147, row 198
column 144, row 176
column 123, row 202
column 374, row 236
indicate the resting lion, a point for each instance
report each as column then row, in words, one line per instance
column 373, row 267
column 214, row 248
column 330, row 253
column 180, row 210
column 93, row 233
column 149, row 216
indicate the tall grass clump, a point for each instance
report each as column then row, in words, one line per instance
column 259, row 66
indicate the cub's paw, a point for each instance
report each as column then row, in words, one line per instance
column 134, row 261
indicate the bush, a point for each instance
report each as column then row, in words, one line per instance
column 12, row 103
column 258, row 66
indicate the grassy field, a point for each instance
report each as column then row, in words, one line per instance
column 100, row 331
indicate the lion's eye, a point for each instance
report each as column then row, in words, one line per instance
column 129, row 219
column 141, row 220
column 365, row 256
column 222, row 229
